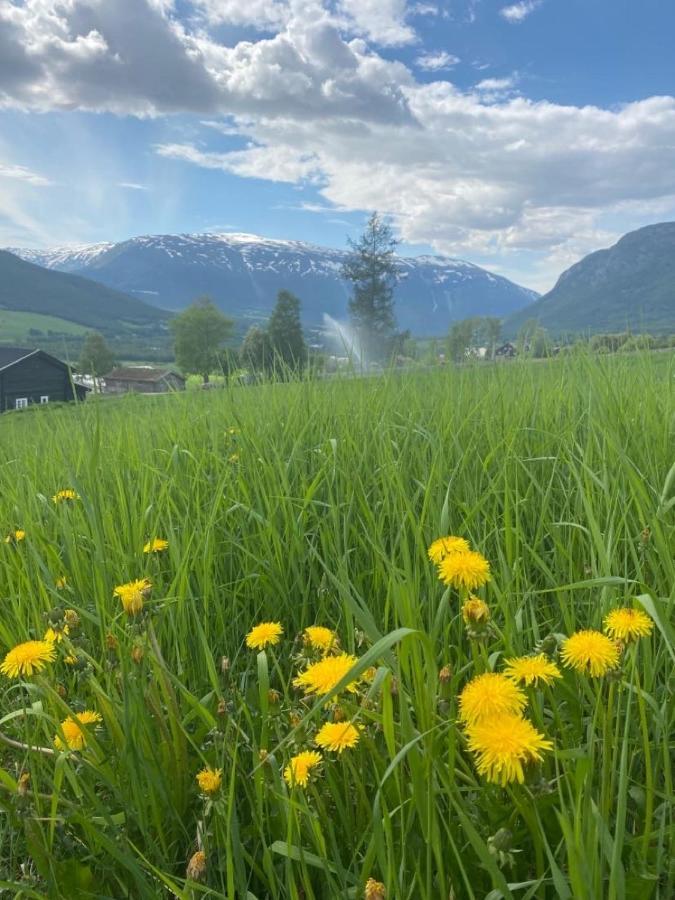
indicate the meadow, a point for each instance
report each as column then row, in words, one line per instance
column 315, row 504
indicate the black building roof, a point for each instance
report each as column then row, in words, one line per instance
column 10, row 355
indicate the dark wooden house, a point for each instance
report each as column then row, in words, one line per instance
column 29, row 377
column 143, row 380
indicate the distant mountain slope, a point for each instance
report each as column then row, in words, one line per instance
column 30, row 288
column 243, row 273
column 628, row 286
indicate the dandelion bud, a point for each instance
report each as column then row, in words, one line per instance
column 501, row 841
column 475, row 611
column 393, row 687
column 137, row 653
column 295, row 719
column 23, row 784
column 273, row 696
column 224, row 664
column 71, row 618
column 549, row 645
column 375, row 890
column 111, row 642
column 445, row 675
column 338, row 714
column 262, row 755
column 55, row 616
column 221, row 708
column 61, row 691
column 196, row 868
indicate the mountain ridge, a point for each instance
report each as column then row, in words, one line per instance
column 244, row 272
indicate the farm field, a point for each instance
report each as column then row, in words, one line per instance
column 212, row 758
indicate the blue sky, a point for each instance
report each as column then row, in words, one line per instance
column 518, row 135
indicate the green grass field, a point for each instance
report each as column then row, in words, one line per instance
column 15, row 326
column 315, row 503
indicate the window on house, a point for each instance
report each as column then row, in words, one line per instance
column 44, row 398
column 21, row 402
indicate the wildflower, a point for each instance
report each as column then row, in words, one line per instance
column 66, row 496
column 61, row 582
column 445, row 674
column 156, row 545
column 196, row 867
column 532, row 669
column 55, row 636
column 24, row 659
column 337, row 736
column 320, row 638
column 488, row 695
column 71, row 618
column 70, row 660
column 133, row 594
column 475, row 611
column 375, row 890
column 264, row 635
column 590, row 652
column 628, row 624
column 233, row 458
column 74, row 736
column 441, row 547
column 209, row 780
column 137, row 654
column 321, row 677
column 503, row 744
column 111, row 642
column 273, row 696
column 299, row 769
column 14, row 537
column 467, row 570
column 23, row 784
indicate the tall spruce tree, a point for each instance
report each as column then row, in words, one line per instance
column 284, row 330
column 371, row 269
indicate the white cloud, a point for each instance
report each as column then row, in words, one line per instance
column 21, row 173
column 517, row 12
column 262, row 14
column 484, row 173
column 437, row 62
column 132, row 186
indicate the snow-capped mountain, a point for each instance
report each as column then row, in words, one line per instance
column 243, row 274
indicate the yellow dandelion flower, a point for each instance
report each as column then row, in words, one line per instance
column 468, row 570
column 24, row 659
column 299, row 769
column 489, row 695
column 337, row 736
column 628, row 624
column 475, row 611
column 133, row 594
column 209, row 780
column 532, row 669
column 375, row 890
column 74, row 735
column 267, row 634
column 70, row 660
column 68, row 495
column 590, row 652
column 55, row 636
column 441, row 547
column 156, row 545
column 321, row 677
column 320, row 638
column 14, row 537
column 503, row 744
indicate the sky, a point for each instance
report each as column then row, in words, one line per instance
column 517, row 135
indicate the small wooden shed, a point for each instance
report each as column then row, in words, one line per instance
column 143, row 380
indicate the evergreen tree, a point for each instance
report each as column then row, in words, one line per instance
column 200, row 332
column 371, row 268
column 284, row 330
column 255, row 352
column 96, row 358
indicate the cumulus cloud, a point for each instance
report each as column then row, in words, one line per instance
column 518, row 12
column 478, row 172
column 437, row 62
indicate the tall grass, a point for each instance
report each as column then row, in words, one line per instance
column 319, row 509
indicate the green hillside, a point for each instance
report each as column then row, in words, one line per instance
column 27, row 288
column 630, row 286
